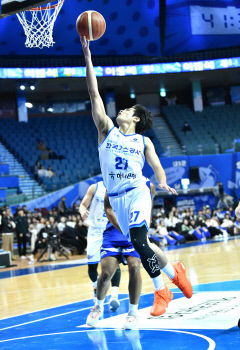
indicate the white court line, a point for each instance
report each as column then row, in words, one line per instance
column 46, row 318
column 210, row 341
column 86, row 308
column 48, row 308
column 74, row 302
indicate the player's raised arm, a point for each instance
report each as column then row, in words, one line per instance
column 155, row 164
column 101, row 120
column 86, row 201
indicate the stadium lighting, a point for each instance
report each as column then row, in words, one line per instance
column 28, row 104
column 50, row 109
column 22, row 87
column 162, row 92
column 132, row 93
column 32, row 87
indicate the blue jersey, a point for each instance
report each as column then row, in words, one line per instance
column 122, row 159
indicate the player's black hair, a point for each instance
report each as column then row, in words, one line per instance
column 145, row 122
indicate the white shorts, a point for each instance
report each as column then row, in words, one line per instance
column 133, row 209
column 94, row 243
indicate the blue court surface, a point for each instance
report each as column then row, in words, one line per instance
column 206, row 321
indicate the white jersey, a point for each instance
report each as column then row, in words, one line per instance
column 97, row 216
column 122, row 159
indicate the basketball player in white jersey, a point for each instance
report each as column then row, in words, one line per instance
column 92, row 209
column 122, row 153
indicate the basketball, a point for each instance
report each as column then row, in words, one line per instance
column 91, row 24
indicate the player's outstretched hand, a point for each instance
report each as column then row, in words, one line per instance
column 85, row 45
column 167, row 188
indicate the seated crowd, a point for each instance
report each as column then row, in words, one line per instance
column 176, row 227
column 61, row 228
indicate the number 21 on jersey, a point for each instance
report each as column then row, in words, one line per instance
column 121, row 163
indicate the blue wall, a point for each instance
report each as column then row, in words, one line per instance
column 212, row 168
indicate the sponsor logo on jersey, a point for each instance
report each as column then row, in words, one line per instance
column 122, row 176
column 120, row 149
column 134, row 140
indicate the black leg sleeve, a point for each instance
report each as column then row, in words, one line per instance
column 148, row 257
column 92, row 272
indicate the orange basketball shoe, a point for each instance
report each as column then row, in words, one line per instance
column 181, row 280
column 161, row 300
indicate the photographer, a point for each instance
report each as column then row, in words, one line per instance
column 70, row 237
column 51, row 234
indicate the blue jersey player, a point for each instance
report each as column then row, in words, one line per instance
column 116, row 249
column 122, row 153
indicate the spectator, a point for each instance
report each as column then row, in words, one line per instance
column 44, row 155
column 62, row 224
column 81, row 228
column 171, row 220
column 8, row 227
column 75, row 209
column 51, row 173
column 42, row 172
column 37, row 166
column 41, row 146
column 228, row 224
column 62, row 207
column 52, row 154
column 70, row 238
column 187, row 230
column 22, row 233
column 186, row 127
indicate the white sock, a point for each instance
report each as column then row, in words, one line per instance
column 158, row 282
column 94, row 284
column 132, row 309
column 114, row 292
column 100, row 303
column 169, row 270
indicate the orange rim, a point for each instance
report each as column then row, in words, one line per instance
column 40, row 8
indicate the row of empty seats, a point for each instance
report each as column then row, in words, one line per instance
column 72, row 138
column 213, row 130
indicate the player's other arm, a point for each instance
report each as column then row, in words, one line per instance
column 110, row 213
column 86, row 201
column 101, row 120
column 155, row 164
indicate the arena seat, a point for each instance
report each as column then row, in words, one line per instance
column 213, row 130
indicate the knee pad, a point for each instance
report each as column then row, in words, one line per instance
column 148, row 257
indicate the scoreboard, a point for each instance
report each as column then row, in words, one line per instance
column 201, row 25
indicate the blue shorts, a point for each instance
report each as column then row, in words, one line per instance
column 116, row 244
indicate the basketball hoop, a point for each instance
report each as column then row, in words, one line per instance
column 38, row 24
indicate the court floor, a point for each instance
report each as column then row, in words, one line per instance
column 46, row 306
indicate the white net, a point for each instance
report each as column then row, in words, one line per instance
column 38, row 24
